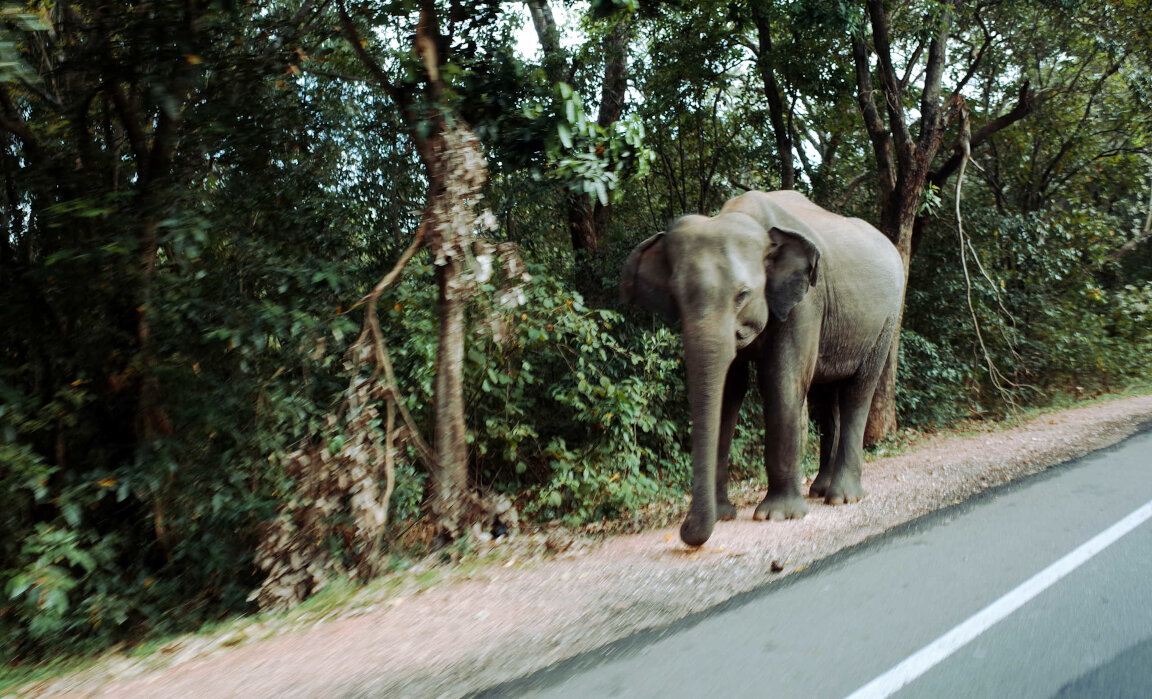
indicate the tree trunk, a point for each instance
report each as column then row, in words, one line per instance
column 449, row 480
column 545, row 25
column 454, row 164
column 582, row 224
column 898, row 221
column 766, row 65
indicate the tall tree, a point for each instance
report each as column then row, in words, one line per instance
column 456, row 172
column 907, row 133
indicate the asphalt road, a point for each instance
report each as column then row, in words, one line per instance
column 1042, row 588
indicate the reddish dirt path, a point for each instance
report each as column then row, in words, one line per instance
column 526, row 612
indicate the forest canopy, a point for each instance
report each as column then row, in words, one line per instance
column 289, row 288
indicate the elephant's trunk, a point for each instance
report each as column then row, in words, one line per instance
column 706, row 357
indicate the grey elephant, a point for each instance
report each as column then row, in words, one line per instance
column 809, row 297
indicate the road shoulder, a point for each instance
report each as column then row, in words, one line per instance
column 511, row 618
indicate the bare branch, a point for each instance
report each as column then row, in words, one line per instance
column 1085, row 119
column 1002, row 384
column 976, row 60
column 130, row 120
column 1026, row 103
column 13, row 124
column 48, row 99
column 367, row 60
column 889, row 84
column 931, row 115
column 915, row 59
column 877, row 133
column 856, row 182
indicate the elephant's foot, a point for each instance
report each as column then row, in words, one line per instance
column 696, row 530
column 820, row 486
column 725, row 511
column 844, row 491
column 780, row 507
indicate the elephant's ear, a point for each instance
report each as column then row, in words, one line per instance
column 644, row 280
column 792, row 265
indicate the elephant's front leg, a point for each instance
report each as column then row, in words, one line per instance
column 735, row 388
column 784, row 432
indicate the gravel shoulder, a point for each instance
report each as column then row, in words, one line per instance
column 528, row 607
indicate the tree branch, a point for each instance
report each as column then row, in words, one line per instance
column 915, row 58
column 369, row 62
column 130, row 120
column 1026, row 103
column 931, row 115
column 13, row 124
column 1074, row 137
column 877, row 133
column 771, row 86
column 976, row 60
column 889, row 83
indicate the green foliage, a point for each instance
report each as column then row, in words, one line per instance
column 13, row 66
column 1055, row 315
column 224, row 183
column 588, row 158
column 569, row 412
column 599, row 438
column 932, row 388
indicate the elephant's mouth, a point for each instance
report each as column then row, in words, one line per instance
column 743, row 337
column 745, row 334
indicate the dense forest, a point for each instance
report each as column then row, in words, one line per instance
column 292, row 288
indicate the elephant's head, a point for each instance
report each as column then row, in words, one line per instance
column 723, row 277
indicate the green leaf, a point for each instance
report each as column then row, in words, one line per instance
column 56, row 600
column 81, row 558
column 18, row 585
column 565, row 134
column 601, row 192
column 72, row 513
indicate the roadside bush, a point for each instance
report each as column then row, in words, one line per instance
column 1054, row 317
column 932, row 382
column 572, row 411
column 107, row 539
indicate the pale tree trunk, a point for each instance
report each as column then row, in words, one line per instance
column 449, row 479
column 456, row 170
column 457, row 173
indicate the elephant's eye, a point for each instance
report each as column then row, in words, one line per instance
column 742, row 297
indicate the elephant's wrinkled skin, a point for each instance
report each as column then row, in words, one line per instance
column 812, row 299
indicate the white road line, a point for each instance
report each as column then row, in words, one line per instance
column 930, row 655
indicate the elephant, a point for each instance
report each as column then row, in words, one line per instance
column 809, row 297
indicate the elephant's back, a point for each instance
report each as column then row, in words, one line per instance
column 845, row 243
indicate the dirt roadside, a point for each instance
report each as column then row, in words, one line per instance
column 522, row 613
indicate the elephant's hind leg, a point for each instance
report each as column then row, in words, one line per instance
column 826, row 407
column 854, row 399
